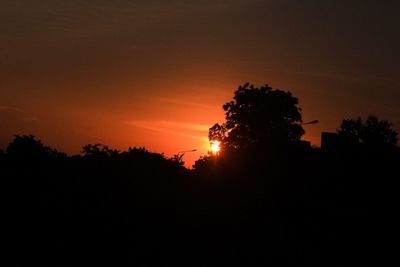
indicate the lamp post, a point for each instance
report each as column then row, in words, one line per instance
column 181, row 153
column 185, row 151
column 310, row 122
column 178, row 157
column 308, row 143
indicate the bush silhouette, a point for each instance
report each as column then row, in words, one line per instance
column 372, row 132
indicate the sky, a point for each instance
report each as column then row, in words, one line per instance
column 156, row 73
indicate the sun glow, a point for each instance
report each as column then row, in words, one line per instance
column 215, row 147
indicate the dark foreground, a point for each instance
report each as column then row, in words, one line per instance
column 138, row 208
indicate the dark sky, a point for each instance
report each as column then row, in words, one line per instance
column 156, row 73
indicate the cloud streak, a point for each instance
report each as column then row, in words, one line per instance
column 183, row 102
column 16, row 113
column 13, row 109
column 188, row 130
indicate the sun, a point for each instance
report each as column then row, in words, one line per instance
column 215, row 147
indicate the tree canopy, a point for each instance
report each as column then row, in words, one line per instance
column 259, row 116
column 27, row 147
column 372, row 132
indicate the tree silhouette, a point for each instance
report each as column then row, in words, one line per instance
column 99, row 150
column 259, row 116
column 372, row 132
column 178, row 159
column 27, row 147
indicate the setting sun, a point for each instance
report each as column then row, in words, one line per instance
column 215, row 147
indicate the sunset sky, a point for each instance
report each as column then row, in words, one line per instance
column 156, row 73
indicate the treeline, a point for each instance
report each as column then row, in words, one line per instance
column 268, row 198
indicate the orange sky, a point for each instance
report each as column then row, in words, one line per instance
column 156, row 74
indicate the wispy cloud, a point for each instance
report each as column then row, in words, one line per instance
column 30, row 119
column 184, row 125
column 348, row 77
column 188, row 130
column 183, row 102
column 8, row 108
column 17, row 113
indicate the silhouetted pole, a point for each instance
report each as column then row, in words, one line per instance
column 186, row 151
column 193, row 150
column 310, row 122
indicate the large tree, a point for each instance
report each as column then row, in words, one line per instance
column 257, row 117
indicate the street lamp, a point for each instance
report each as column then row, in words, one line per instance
column 182, row 153
column 185, row 151
column 310, row 122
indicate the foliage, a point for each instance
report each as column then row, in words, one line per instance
column 372, row 132
column 178, row 159
column 258, row 116
column 27, row 147
column 99, row 150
